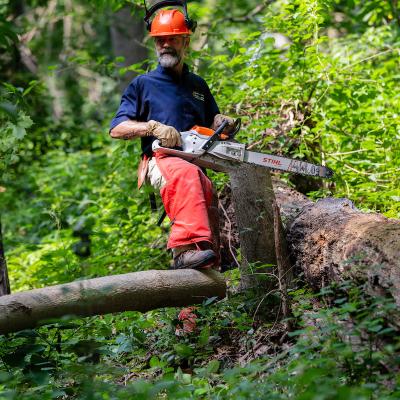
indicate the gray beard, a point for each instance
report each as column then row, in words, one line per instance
column 168, row 60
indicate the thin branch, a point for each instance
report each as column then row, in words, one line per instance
column 248, row 16
column 347, row 152
column 262, row 300
column 4, row 282
column 229, row 234
column 366, row 173
column 251, row 146
column 283, row 265
column 395, row 10
column 369, row 58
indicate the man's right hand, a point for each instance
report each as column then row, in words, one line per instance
column 168, row 135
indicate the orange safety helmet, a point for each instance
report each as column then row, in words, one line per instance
column 169, row 22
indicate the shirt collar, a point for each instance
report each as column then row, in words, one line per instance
column 166, row 71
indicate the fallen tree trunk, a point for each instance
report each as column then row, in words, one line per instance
column 332, row 241
column 136, row 291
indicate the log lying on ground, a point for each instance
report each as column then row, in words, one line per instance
column 136, row 291
column 332, row 241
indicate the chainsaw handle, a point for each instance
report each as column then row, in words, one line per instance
column 206, row 146
column 236, row 128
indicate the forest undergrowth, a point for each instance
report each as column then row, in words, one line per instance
column 343, row 347
column 70, row 209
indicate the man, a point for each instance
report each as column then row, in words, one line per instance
column 158, row 105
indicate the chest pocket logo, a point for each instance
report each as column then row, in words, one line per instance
column 198, row 96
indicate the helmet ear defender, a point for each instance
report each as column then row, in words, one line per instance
column 189, row 22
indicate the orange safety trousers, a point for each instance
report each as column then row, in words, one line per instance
column 187, row 196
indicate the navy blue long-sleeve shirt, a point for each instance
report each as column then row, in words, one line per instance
column 159, row 95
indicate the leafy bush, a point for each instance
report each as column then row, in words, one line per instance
column 70, row 209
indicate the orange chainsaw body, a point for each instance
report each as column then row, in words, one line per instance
column 202, row 130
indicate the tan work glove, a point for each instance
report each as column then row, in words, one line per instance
column 168, row 135
column 219, row 119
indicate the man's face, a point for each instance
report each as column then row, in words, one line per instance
column 171, row 49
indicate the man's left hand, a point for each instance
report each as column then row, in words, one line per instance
column 219, row 119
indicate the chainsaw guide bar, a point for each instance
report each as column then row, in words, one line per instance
column 222, row 155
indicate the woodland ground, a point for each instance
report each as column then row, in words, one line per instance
column 69, row 208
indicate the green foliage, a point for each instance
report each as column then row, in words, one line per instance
column 325, row 98
column 14, row 122
column 7, row 35
column 346, row 348
column 327, row 93
column 91, row 198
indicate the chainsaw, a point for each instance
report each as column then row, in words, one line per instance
column 214, row 150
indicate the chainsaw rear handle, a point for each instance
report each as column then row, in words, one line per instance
column 236, row 128
column 206, row 146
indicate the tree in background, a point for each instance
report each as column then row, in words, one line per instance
column 314, row 79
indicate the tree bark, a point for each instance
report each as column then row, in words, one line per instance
column 283, row 266
column 253, row 196
column 136, row 291
column 4, row 282
column 332, row 241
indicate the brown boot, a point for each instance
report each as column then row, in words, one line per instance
column 197, row 259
